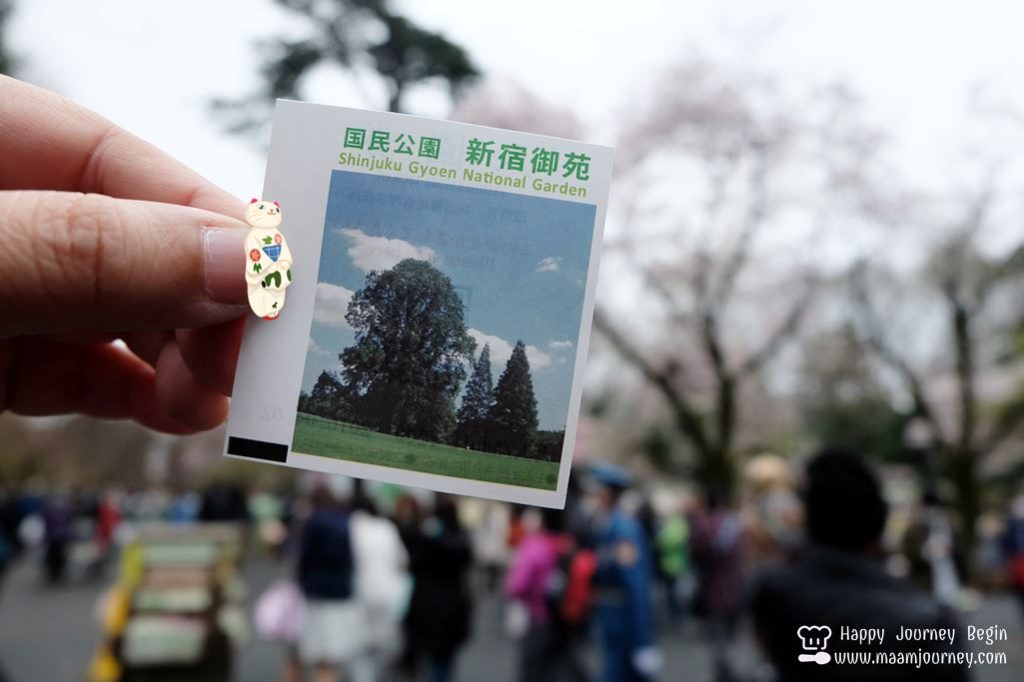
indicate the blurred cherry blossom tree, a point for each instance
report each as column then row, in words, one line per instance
column 943, row 328
column 733, row 200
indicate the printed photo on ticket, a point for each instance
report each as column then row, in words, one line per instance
column 439, row 308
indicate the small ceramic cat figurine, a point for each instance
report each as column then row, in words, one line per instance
column 268, row 260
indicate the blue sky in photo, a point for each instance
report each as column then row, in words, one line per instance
column 519, row 263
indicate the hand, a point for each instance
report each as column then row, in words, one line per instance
column 113, row 240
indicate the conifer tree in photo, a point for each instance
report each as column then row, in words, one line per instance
column 513, row 419
column 477, row 402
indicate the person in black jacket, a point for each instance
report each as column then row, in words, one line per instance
column 330, row 632
column 839, row 582
column 438, row 621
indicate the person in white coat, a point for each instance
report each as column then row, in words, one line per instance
column 382, row 587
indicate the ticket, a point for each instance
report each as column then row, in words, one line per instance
column 440, row 291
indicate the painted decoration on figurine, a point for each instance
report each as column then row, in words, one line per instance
column 268, row 264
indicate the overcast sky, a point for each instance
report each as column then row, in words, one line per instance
column 152, row 66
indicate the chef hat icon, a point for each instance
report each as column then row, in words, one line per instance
column 814, row 637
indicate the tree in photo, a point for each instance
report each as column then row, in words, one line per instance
column 407, row 364
column 513, row 419
column 327, row 399
column 476, row 404
column 548, row 446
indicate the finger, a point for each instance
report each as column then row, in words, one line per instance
column 182, row 397
column 50, row 142
column 92, row 263
column 211, row 353
column 86, row 338
column 45, row 378
column 147, row 345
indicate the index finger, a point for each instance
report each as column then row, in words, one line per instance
column 49, row 142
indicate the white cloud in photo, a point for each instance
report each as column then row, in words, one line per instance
column 538, row 358
column 331, row 304
column 549, row 264
column 560, row 345
column 381, row 253
column 501, row 350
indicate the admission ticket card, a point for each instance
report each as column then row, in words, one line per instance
column 437, row 322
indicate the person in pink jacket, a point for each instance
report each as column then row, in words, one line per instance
column 547, row 650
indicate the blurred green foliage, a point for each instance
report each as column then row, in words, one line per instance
column 843, row 402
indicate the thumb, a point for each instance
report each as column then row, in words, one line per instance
column 77, row 262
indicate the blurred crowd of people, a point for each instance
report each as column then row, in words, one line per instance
column 79, row 532
column 593, row 591
column 381, row 584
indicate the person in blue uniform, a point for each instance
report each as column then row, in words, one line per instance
column 622, row 586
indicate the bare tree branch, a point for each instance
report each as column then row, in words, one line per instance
column 1010, row 266
column 1008, row 420
column 961, row 316
column 679, row 311
column 786, row 331
column 877, row 340
column 756, row 213
column 688, row 419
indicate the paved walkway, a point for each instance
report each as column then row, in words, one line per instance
column 49, row 635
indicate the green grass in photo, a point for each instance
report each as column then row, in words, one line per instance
column 328, row 438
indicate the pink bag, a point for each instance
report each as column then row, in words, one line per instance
column 280, row 612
